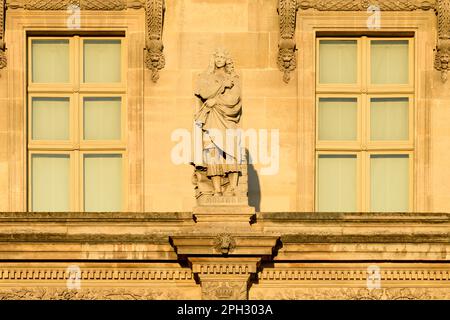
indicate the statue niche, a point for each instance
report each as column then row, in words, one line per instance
column 220, row 175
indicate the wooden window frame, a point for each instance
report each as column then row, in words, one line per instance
column 109, row 87
column 360, row 183
column 80, row 158
column 363, row 147
column 339, row 88
column 76, row 146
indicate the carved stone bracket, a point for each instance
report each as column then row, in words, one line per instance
column 154, row 58
column 224, row 278
column 443, row 45
column 224, row 244
column 3, row 61
column 287, row 60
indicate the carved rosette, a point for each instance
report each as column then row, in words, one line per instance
column 442, row 57
column 3, row 61
column 287, row 61
column 154, row 58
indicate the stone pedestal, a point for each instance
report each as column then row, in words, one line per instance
column 224, row 214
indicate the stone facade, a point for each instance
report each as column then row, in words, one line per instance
column 163, row 245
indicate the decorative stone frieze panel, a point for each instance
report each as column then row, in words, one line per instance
column 350, row 294
column 129, row 293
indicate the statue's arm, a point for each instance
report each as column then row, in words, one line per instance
column 233, row 96
column 206, row 88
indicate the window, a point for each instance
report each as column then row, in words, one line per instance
column 364, row 124
column 76, row 124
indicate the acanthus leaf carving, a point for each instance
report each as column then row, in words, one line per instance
column 442, row 57
column 154, row 58
column 287, row 61
column 3, row 61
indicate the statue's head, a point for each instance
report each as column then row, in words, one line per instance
column 221, row 59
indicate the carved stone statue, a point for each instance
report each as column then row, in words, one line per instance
column 219, row 164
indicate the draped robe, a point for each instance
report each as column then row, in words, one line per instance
column 221, row 151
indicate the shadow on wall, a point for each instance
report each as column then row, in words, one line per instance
column 254, row 189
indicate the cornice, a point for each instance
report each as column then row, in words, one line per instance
column 132, row 217
column 80, row 238
column 354, row 217
column 368, row 238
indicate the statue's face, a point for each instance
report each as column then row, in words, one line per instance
column 220, row 60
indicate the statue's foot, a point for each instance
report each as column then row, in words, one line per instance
column 232, row 192
column 217, row 194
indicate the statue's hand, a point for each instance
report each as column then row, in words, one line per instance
column 210, row 102
column 228, row 83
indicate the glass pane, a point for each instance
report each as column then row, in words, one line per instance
column 50, row 179
column 102, row 118
column 338, row 118
column 389, row 119
column 390, row 62
column 103, row 182
column 102, row 61
column 389, row 184
column 50, row 61
column 338, row 61
column 337, row 183
column 50, row 119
